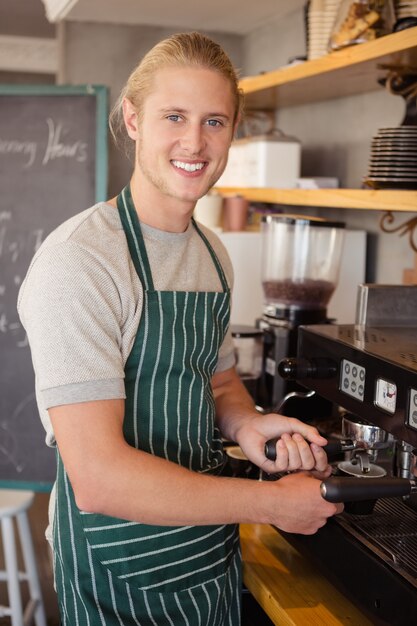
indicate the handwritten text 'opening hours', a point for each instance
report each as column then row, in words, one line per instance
column 56, row 147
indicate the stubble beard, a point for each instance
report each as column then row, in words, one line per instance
column 161, row 184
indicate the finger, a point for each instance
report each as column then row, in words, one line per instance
column 308, row 432
column 268, row 467
column 294, row 458
column 320, row 457
column 322, row 474
column 316, row 524
column 281, row 462
column 308, row 461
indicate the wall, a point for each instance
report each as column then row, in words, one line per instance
column 272, row 45
column 106, row 54
column 336, row 137
column 25, row 19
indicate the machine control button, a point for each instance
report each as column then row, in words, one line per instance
column 386, row 395
column 352, row 379
column 412, row 411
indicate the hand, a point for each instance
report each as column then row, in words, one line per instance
column 293, row 452
column 299, row 446
column 299, row 506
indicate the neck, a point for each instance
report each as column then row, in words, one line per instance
column 157, row 209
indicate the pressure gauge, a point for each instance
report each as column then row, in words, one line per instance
column 386, row 395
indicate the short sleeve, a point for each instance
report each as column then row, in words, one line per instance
column 72, row 313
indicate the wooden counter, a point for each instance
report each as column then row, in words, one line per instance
column 287, row 586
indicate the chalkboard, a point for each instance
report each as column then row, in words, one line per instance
column 53, row 164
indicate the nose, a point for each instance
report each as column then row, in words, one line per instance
column 193, row 138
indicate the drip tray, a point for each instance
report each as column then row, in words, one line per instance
column 390, row 531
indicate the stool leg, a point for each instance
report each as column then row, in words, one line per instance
column 13, row 585
column 30, row 567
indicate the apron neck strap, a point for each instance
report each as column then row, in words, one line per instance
column 135, row 241
column 216, row 261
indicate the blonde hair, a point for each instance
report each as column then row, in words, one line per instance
column 180, row 50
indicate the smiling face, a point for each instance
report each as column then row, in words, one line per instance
column 182, row 136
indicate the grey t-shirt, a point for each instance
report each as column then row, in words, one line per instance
column 81, row 302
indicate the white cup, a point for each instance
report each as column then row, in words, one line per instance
column 208, row 210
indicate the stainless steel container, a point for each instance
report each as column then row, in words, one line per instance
column 247, row 341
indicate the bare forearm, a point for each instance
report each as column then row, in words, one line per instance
column 233, row 406
column 140, row 487
column 110, row 477
column 151, row 490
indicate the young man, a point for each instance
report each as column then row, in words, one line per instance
column 127, row 310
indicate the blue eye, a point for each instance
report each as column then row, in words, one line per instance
column 174, row 118
column 214, row 123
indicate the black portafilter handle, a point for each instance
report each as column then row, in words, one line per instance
column 297, row 368
column 336, row 447
column 351, row 489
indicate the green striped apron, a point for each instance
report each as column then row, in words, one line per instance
column 113, row 572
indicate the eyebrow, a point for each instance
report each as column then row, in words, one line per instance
column 175, row 109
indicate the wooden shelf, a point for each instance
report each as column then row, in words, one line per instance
column 376, row 200
column 342, row 73
column 349, row 71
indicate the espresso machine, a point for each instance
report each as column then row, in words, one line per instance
column 300, row 268
column 368, row 371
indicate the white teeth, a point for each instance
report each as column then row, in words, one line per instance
column 188, row 167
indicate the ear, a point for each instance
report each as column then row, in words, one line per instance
column 130, row 118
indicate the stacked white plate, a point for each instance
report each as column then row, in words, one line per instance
column 321, row 18
column 406, row 8
column 393, row 159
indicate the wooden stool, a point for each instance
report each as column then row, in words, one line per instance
column 14, row 504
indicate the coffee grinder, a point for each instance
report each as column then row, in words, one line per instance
column 300, row 269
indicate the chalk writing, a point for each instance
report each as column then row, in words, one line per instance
column 15, row 329
column 3, row 323
column 57, row 149
column 9, row 448
column 27, row 148
column 24, row 243
column 9, row 452
column 2, row 238
column 37, row 235
column 4, row 216
column 14, row 249
column 56, row 146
